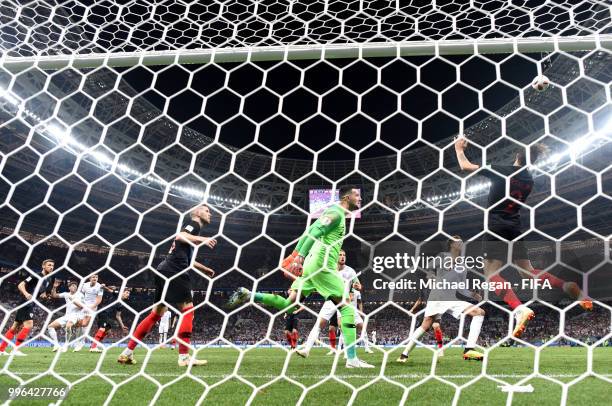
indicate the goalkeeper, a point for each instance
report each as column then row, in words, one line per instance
column 314, row 262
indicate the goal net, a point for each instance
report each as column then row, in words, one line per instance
column 119, row 117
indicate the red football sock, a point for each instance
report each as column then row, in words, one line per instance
column 185, row 329
column 295, row 338
column 100, row 334
column 289, row 338
column 10, row 333
column 332, row 338
column 507, row 295
column 21, row 337
column 143, row 328
column 439, row 338
column 554, row 281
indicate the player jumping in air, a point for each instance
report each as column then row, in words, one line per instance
column 107, row 318
column 329, row 311
column 30, row 287
column 505, row 221
column 445, row 300
column 179, row 290
column 314, row 261
column 74, row 314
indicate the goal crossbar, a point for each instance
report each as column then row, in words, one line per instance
column 311, row 51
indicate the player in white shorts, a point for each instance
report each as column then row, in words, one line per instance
column 441, row 301
column 74, row 313
column 373, row 337
column 164, row 326
column 92, row 297
column 329, row 311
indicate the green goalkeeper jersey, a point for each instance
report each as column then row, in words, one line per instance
column 323, row 239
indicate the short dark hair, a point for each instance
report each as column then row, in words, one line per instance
column 535, row 151
column 345, row 190
column 73, row 283
column 46, row 261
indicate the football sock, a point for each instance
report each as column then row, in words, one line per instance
column 349, row 331
column 276, row 301
column 439, row 338
column 507, row 295
column 53, row 334
column 10, row 333
column 475, row 327
column 418, row 333
column 312, row 337
column 554, row 281
column 185, row 329
column 21, row 337
column 98, row 337
column 332, row 338
column 143, row 328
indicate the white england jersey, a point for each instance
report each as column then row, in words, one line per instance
column 451, row 275
column 90, row 293
column 350, row 276
column 165, row 319
column 71, row 308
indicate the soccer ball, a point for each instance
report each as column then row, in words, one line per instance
column 540, row 83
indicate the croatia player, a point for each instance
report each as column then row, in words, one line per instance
column 92, row 297
column 315, row 261
column 175, row 287
column 329, row 310
column 505, row 221
column 74, row 313
column 445, row 300
column 164, row 326
column 106, row 320
column 30, row 287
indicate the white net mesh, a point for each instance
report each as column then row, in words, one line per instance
column 118, row 117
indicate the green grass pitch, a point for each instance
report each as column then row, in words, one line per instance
column 163, row 381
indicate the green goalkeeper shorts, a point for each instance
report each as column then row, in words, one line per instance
column 317, row 279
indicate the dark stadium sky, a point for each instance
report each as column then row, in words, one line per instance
column 377, row 104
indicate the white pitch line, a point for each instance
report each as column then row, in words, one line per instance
column 270, row 376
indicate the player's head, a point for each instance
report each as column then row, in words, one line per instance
column 47, row 266
column 351, row 195
column 536, row 151
column 93, row 279
column 126, row 294
column 454, row 242
column 202, row 212
column 342, row 258
column 73, row 286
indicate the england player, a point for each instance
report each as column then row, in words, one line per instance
column 175, row 288
column 505, row 222
column 106, row 319
column 74, row 314
column 373, row 339
column 445, row 300
column 92, row 297
column 437, row 319
column 31, row 286
column 315, row 261
column 164, row 326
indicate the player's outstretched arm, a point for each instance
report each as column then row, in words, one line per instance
column 54, row 294
column 120, row 321
column 196, row 239
column 460, row 145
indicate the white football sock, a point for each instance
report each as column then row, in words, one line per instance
column 475, row 327
column 418, row 333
